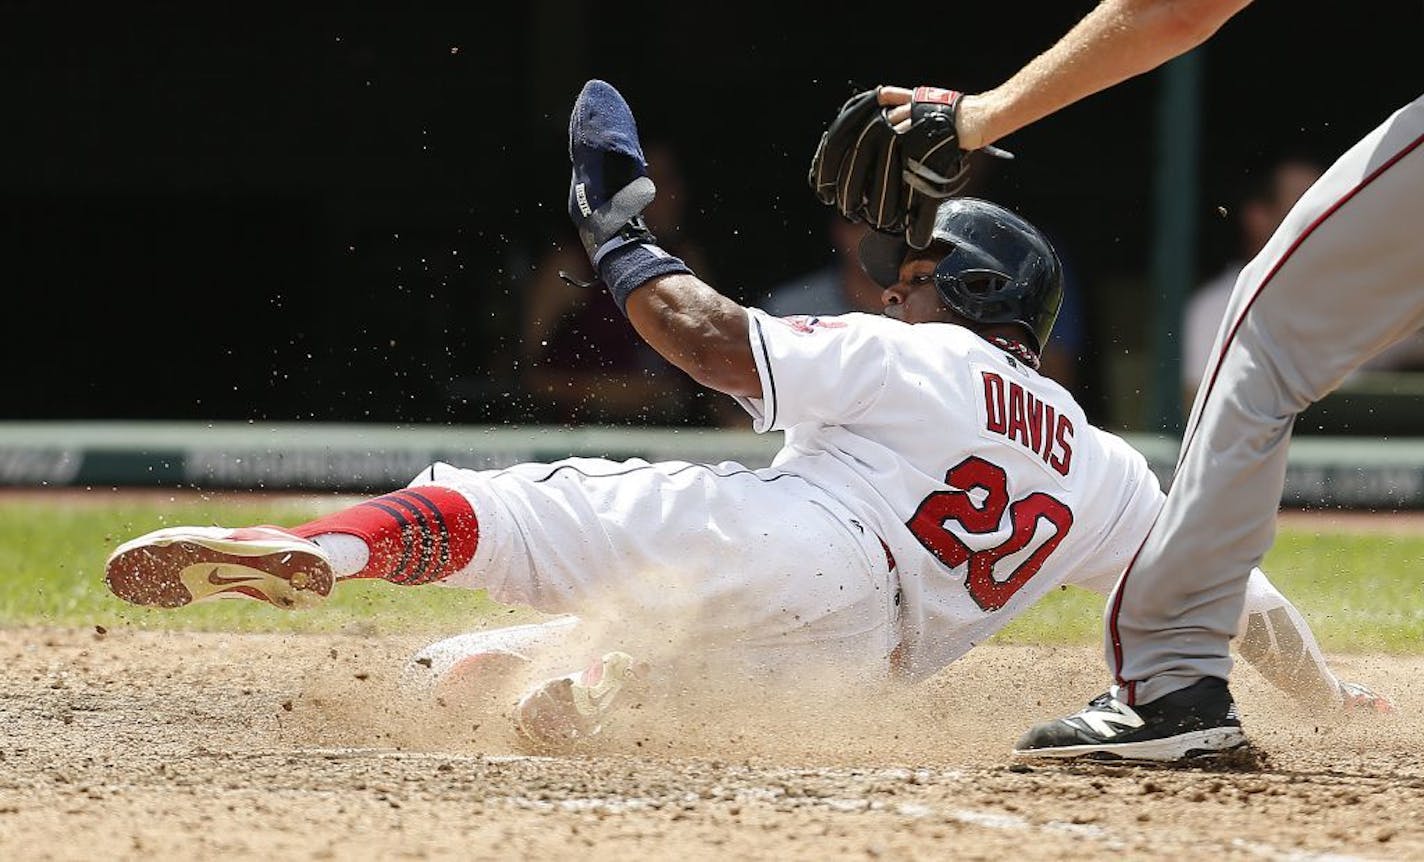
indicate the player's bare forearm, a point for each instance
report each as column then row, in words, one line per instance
column 699, row 330
column 1117, row 40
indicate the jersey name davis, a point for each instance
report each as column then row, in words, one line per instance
column 1014, row 412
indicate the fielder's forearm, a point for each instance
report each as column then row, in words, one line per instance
column 1118, row 40
column 697, row 329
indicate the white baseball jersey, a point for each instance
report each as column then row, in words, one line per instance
column 983, row 479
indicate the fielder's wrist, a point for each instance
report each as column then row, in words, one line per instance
column 969, row 128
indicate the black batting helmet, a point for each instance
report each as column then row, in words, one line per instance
column 998, row 268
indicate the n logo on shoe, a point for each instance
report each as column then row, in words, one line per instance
column 1109, row 722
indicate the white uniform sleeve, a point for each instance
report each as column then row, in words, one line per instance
column 829, row 370
column 1274, row 637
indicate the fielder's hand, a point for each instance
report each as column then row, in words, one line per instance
column 891, row 157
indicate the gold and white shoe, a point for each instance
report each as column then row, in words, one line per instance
column 568, row 711
column 177, row 566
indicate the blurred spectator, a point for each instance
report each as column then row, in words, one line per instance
column 838, row 287
column 1267, row 198
column 579, row 358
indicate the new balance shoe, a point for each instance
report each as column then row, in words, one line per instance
column 1199, row 720
column 571, row 710
column 177, row 566
column 1357, row 698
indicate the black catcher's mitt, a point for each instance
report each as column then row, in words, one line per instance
column 856, row 168
column 893, row 182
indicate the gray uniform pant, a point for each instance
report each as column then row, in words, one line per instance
column 1339, row 281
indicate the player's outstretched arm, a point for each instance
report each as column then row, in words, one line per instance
column 1276, row 640
column 1117, row 40
column 894, row 153
column 699, row 330
column 693, row 326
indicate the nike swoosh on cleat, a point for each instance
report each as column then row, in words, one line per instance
column 218, row 580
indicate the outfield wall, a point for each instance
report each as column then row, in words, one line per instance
column 1345, row 472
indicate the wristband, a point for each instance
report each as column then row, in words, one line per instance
column 626, row 269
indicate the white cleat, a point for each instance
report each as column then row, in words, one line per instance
column 177, row 566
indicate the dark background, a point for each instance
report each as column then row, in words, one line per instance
column 323, row 213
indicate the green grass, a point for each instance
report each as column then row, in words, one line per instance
column 52, row 569
column 1360, row 592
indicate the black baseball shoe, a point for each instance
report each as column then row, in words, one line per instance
column 1197, row 721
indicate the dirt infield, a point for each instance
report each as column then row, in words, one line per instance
column 151, row 745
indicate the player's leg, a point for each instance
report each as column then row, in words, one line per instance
column 416, row 535
column 1337, row 283
column 716, row 556
column 691, row 574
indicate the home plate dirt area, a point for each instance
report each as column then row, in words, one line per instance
column 134, row 744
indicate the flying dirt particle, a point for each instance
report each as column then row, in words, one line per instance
column 362, row 675
column 423, row 661
column 286, row 706
column 100, row 631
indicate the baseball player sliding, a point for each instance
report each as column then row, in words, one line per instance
column 931, row 487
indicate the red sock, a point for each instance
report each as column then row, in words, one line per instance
column 416, row 536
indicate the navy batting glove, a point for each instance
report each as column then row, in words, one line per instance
column 610, row 186
column 608, row 192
